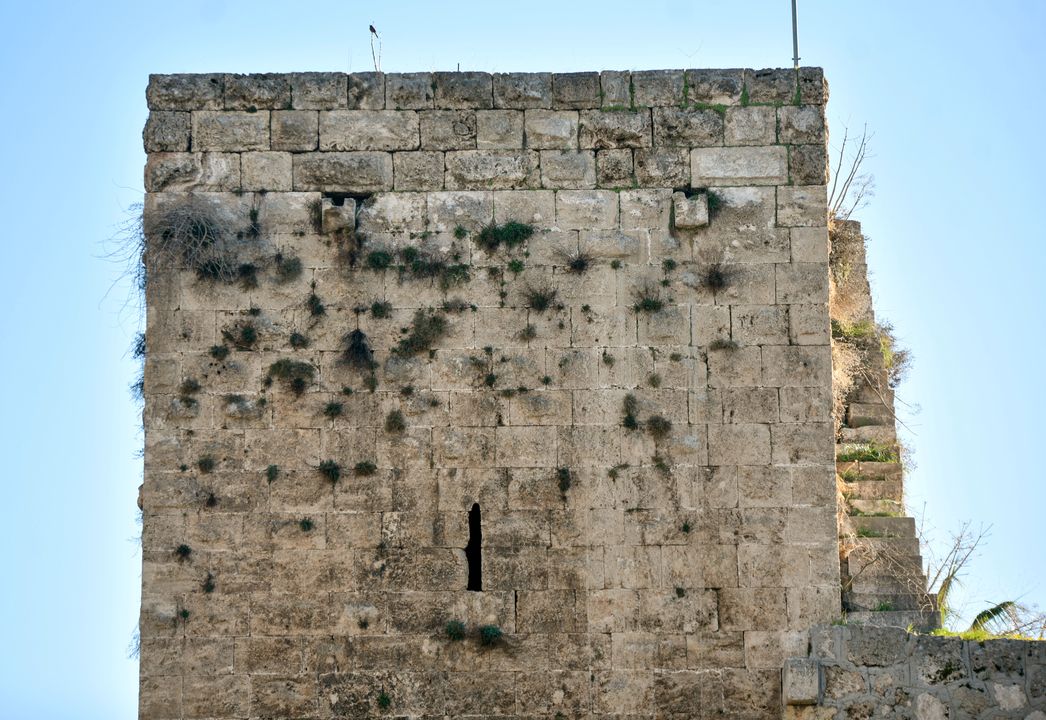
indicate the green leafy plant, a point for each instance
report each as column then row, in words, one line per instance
column 365, row 468
column 247, row 274
column 647, row 300
column 659, row 427
column 242, row 336
column 615, row 264
column 384, row 701
column 515, row 266
column 455, row 630
column 539, row 299
column 868, row 452
column 330, row 470
column 306, row 524
column 579, row 262
column 490, row 634
column 460, row 233
column 378, row 259
column 565, row 479
column 272, row 472
column 219, row 352
column 546, row 380
column 315, row 306
column 299, row 341
column 630, row 411
column 356, row 352
column 510, row 234
column 685, row 527
column 295, row 375
column 206, row 464
column 380, row 310
column 333, row 409
column 426, row 329
column 183, row 552
column 680, row 592
column 395, row 422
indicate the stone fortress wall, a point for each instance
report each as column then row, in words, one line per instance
column 493, row 395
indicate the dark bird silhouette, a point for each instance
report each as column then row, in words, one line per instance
column 373, row 31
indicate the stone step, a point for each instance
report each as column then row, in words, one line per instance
column 844, row 447
column 868, row 471
column 899, row 583
column 863, row 560
column 862, row 414
column 892, row 490
column 869, row 526
column 884, row 434
column 880, row 392
column 892, row 546
column 918, row 620
column 873, row 506
column 883, row 602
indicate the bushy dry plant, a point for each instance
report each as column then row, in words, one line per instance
column 192, row 234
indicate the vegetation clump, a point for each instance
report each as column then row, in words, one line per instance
column 272, row 472
column 330, row 470
column 395, row 422
column 288, row 268
column 630, row 411
column 219, row 352
column 658, row 426
column 365, row 468
column 295, row 375
column 242, row 336
column 380, row 310
column 648, row 300
column 299, row 341
column 333, row 409
column 206, row 464
column 869, row 452
column 426, row 329
column 510, row 234
column 717, row 277
column 539, row 299
column 565, row 478
column 306, row 524
column 183, row 551
column 378, row 260
column 455, row 630
column 490, row 634
column 579, row 262
column 357, row 353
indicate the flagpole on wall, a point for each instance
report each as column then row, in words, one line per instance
column 795, row 36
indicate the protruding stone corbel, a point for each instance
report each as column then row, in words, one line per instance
column 689, row 213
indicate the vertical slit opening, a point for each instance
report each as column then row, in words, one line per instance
column 473, row 551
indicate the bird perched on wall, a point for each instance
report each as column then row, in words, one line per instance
column 373, row 31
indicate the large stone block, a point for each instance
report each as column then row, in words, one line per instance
column 652, row 88
column 318, row 90
column 751, row 125
column 802, row 681
column 715, row 87
column 775, row 86
column 456, row 90
column 448, row 129
column 295, row 130
column 615, row 129
column 499, row 130
column 491, row 170
column 185, row 92
column 551, row 129
column 739, row 166
column 231, row 131
column 662, row 167
column 350, row 130
column 343, row 171
column 268, row 91
column 568, row 169
column 166, row 131
column 802, row 206
column 418, row 170
column 521, row 91
column 586, row 209
column 366, row 91
column 575, row 91
column 678, row 127
column 409, row 91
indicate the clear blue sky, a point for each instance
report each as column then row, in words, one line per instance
column 952, row 91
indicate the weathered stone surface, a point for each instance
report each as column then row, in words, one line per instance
column 801, row 124
column 801, row 206
column 616, row 88
column 266, row 171
column 366, row 91
column 771, row 86
column 318, row 91
column 652, row 88
column 490, row 169
column 456, row 90
column 343, row 171
column 521, row 91
column 499, row 130
column 166, row 131
column 739, row 166
column 802, row 682
column 677, row 127
column 808, row 164
column 368, row 130
column 689, row 213
column 409, row 91
column 715, row 87
column 568, row 169
column 418, row 170
column 751, row 125
column 185, row 92
column 575, row 91
column 230, row 131
column 295, row 130
column 614, row 168
column 267, row 91
column 551, row 129
column 615, row 129
column 183, row 172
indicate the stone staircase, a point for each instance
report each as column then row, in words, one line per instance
column 881, row 565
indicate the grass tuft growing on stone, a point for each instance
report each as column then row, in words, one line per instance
column 648, row 300
column 426, row 329
column 455, row 630
column 242, row 336
column 219, row 352
column 288, row 268
column 490, row 634
column 380, row 310
column 183, row 552
column 333, row 409
column 330, row 470
column 630, row 411
column 272, row 472
column 539, row 299
column 357, row 353
column 298, row 341
column 206, row 464
column 659, row 427
column 294, row 374
column 365, row 468
column 395, row 422
column 510, row 234
column 869, row 452
column 306, row 524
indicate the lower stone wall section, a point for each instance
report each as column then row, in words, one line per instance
column 868, row 672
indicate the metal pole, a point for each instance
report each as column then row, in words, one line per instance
column 795, row 36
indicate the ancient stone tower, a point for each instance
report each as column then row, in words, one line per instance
column 493, row 396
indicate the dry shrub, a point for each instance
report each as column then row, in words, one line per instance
column 194, row 234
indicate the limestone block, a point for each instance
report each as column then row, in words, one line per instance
column 750, row 405
column 568, row 169
column 689, row 213
column 771, row 86
column 286, row 212
column 586, row 209
column 812, row 86
column 318, row 90
column 418, row 170
column 614, row 168
column 535, row 207
column 551, row 129
column 409, row 91
column 262, row 91
column 614, row 245
column 392, row 212
column 809, row 244
column 499, row 130
column 490, row 170
column 751, row 125
column 600, row 129
column 368, row 130
column 476, row 693
column 792, row 366
column 802, row 206
column 522, row 90
column 805, row 404
column 802, row 283
column 802, row 681
column 678, row 127
column 184, row 92
column 802, row 444
column 732, row 367
column 657, row 87
column 739, row 444
column 715, row 87
column 751, row 608
column 877, row 647
column 230, row 131
column 739, row 166
column 662, row 167
column 366, row 91
column 448, row 129
column 745, row 229
column 575, row 91
column 268, row 171
column 446, row 211
column 454, row 90
column 615, row 88
column 283, row 697
column 645, row 209
column 759, row 324
column 515, row 568
column 710, row 324
column 343, row 171
column 808, row 164
column 295, row 130
column 204, row 696
column 747, row 285
column 801, row 124
column 192, row 172
column 166, row 131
